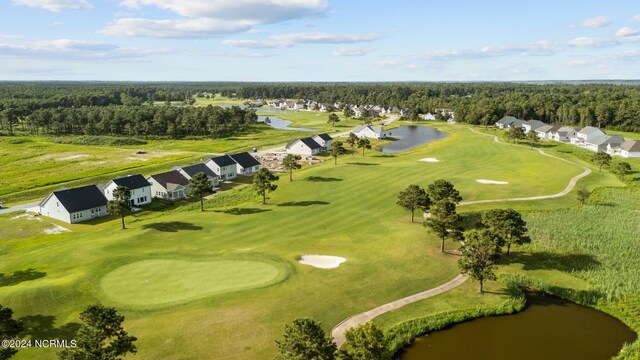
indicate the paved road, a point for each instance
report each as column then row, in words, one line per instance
column 21, row 207
column 339, row 330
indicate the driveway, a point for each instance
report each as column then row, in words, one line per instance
column 21, row 207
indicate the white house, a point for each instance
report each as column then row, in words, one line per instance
column 429, row 116
column 505, row 122
column 245, row 163
column 171, row 185
column 586, row 134
column 599, row 143
column 223, row 166
column 190, row 171
column 74, row 205
column 305, row 146
column 628, row 149
column 139, row 186
column 562, row 133
column 544, row 132
column 532, row 125
column 324, row 140
column 369, row 131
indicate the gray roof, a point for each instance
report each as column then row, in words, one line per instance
column 535, row 124
column 507, row 120
column 375, row 129
column 132, row 182
column 590, row 130
column 544, row 129
column 564, row 130
column 82, row 198
column 631, row 145
column 170, row 177
column 607, row 139
column 191, row 170
column 518, row 122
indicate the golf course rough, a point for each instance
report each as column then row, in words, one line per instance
column 164, row 282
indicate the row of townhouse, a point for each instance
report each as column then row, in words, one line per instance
column 359, row 110
column 588, row 137
column 88, row 202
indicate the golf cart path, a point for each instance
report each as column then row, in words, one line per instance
column 338, row 332
column 21, row 207
column 570, row 186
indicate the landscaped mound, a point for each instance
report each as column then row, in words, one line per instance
column 322, row 261
column 492, row 182
column 152, row 283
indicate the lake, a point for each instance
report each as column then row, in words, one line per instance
column 410, row 136
column 549, row 328
column 277, row 123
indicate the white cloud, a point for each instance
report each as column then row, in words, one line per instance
column 208, row 18
column 187, row 28
column 592, row 42
column 289, row 40
column 351, row 51
column 596, row 22
column 626, row 31
column 55, row 5
column 67, row 49
column 636, row 18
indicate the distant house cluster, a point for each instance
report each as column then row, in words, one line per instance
column 358, row 110
column 88, row 202
column 588, row 137
column 309, row 146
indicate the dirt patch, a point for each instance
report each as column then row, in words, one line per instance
column 72, row 157
column 491, row 182
column 26, row 217
column 322, row 261
column 55, row 229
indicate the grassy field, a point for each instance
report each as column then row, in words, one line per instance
column 346, row 210
column 314, row 120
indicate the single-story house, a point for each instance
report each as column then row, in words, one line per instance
column 600, row 143
column 191, row 170
column 562, row 133
column 324, row 140
column 75, row 205
column 223, row 166
column 586, row 134
column 429, row 116
column 505, row 122
column 170, row 185
column 369, row 131
column 532, row 125
column 245, row 163
column 139, row 186
column 305, row 146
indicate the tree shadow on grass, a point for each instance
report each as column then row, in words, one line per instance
column 41, row 327
column 384, row 156
column 471, row 220
column 172, row 226
column 362, row 164
column 19, row 276
column 242, row 211
column 304, row 203
column 550, row 261
column 323, row 179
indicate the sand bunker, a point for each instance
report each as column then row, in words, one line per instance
column 322, row 261
column 27, row 217
column 73, row 157
column 432, row 160
column 493, row 182
column 55, row 229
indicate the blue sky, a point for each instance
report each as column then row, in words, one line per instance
column 318, row 40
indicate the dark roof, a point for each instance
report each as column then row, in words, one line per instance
column 631, row 145
column 82, row 198
column 132, row 182
column 325, row 137
column 173, row 177
column 191, row 170
column 245, row 160
column 311, row 143
column 224, row 160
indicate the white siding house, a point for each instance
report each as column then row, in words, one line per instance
column 75, row 205
column 305, row 146
column 369, row 131
column 628, row 149
column 324, row 140
column 585, row 135
column 191, row 170
column 429, row 116
column 139, row 186
column 600, row 143
column 245, row 164
column 171, row 185
column 223, row 166
column 562, row 133
column 532, row 125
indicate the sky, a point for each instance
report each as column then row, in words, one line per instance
column 319, row 40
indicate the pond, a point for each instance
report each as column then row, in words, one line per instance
column 410, row 136
column 277, row 123
column 549, row 328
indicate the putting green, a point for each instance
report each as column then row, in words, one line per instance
column 150, row 283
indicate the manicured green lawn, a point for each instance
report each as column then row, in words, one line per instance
column 345, row 210
column 315, row 120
